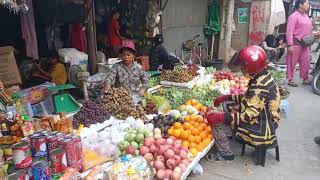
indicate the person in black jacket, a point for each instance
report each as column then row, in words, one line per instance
column 158, row 58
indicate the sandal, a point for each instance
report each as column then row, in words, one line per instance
column 306, row 82
column 292, row 84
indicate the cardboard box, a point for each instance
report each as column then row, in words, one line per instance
column 9, row 73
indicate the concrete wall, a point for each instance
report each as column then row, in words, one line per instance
column 183, row 19
column 240, row 37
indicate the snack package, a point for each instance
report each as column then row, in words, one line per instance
column 128, row 167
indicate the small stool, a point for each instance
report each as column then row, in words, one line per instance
column 261, row 151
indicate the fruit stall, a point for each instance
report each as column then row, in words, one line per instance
column 163, row 135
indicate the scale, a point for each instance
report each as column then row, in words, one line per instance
column 62, row 100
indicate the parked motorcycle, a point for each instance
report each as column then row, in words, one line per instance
column 316, row 78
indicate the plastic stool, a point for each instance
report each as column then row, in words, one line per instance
column 261, row 151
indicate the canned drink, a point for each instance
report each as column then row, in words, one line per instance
column 77, row 165
column 70, row 151
column 78, row 147
column 18, row 176
column 58, row 160
column 60, row 135
column 52, row 143
column 44, row 158
column 21, row 155
column 28, row 170
column 69, row 136
column 25, row 139
column 41, row 170
column 38, row 146
column 61, row 142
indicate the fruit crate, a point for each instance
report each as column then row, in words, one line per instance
column 188, row 85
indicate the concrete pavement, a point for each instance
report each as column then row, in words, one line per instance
column 299, row 155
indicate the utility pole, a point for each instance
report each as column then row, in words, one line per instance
column 91, row 36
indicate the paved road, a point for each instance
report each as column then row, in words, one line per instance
column 299, row 155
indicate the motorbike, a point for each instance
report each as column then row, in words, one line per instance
column 316, row 78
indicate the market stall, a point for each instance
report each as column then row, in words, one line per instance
column 164, row 136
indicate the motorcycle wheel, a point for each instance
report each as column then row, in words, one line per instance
column 316, row 83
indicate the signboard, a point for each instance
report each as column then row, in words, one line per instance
column 243, row 15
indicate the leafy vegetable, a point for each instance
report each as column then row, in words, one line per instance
column 278, row 76
column 153, row 81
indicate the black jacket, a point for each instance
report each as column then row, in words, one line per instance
column 158, row 55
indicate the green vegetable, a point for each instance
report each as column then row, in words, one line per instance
column 278, row 76
column 153, row 81
column 209, row 70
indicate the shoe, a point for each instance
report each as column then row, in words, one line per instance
column 306, row 82
column 212, row 157
column 317, row 140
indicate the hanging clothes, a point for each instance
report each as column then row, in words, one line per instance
column 278, row 15
column 29, row 31
column 77, row 37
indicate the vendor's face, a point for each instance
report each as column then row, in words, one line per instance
column 305, row 6
column 53, row 61
column 127, row 57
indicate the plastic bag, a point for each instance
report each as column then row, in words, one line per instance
column 198, row 169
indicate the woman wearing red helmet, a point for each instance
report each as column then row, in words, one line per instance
column 259, row 113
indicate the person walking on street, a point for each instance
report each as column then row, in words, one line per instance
column 299, row 27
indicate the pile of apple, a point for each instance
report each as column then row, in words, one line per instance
column 167, row 156
column 228, row 80
column 133, row 140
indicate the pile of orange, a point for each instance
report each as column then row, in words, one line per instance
column 194, row 133
column 194, row 103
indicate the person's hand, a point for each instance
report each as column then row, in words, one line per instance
column 141, row 92
column 220, row 100
column 1, row 85
column 215, row 118
column 107, row 87
column 290, row 49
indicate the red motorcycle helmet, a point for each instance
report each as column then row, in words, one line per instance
column 251, row 59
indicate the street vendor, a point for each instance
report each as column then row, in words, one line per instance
column 127, row 73
column 57, row 72
column 258, row 115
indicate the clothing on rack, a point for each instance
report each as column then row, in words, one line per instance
column 29, row 31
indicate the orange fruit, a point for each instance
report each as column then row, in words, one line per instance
column 194, row 151
column 193, row 102
column 197, row 106
column 192, row 145
column 184, row 135
column 203, row 135
column 176, row 133
column 196, row 124
column 200, row 147
column 193, row 117
column 194, row 131
column 187, row 118
column 188, row 132
column 203, row 108
column 170, row 131
column 185, row 144
column 191, row 138
column 200, row 119
column 210, row 136
column 177, row 125
column 208, row 129
column 186, row 125
column 200, row 128
column 204, row 125
column 198, row 139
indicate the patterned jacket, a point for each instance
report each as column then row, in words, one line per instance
column 259, row 114
column 133, row 78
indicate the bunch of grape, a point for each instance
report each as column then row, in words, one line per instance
column 90, row 113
